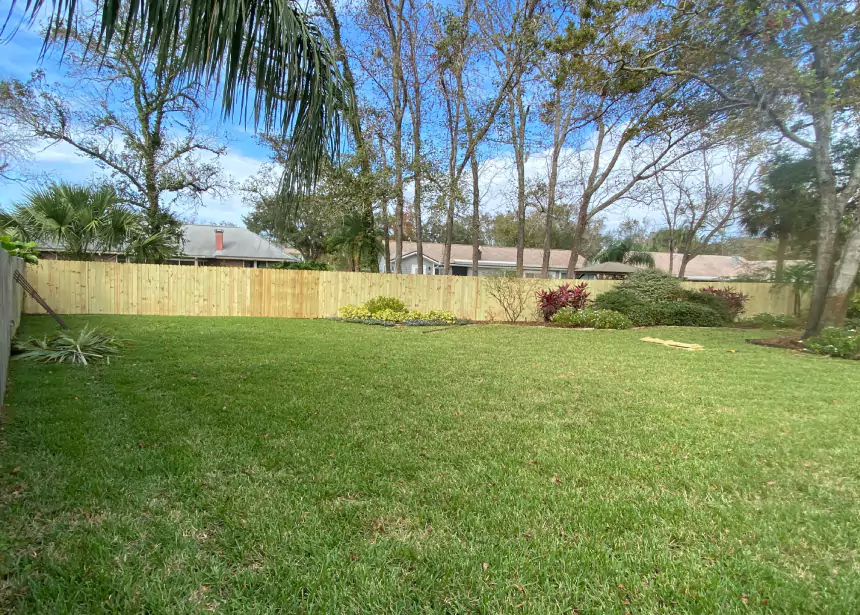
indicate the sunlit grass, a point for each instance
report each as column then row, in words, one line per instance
column 263, row 465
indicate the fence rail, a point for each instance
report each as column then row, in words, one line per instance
column 80, row 287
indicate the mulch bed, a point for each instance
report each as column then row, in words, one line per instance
column 790, row 343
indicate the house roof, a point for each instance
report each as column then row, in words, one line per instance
column 198, row 241
column 492, row 256
column 610, row 267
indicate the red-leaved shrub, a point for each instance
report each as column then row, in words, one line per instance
column 735, row 300
column 551, row 301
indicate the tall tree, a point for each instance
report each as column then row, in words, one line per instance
column 136, row 117
column 710, row 205
column 417, row 77
column 625, row 112
column 784, row 206
column 790, row 67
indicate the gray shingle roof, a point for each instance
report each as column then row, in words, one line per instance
column 199, row 242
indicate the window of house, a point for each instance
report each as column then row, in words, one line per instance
column 248, row 264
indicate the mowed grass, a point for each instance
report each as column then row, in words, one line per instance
column 263, row 465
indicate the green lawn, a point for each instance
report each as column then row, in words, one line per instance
column 263, row 465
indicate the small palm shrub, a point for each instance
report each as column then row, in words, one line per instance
column 551, row 301
column 591, row 318
column 734, row 300
column 835, row 342
column 89, row 346
column 653, row 285
column 378, row 304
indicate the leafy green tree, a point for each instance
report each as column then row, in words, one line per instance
column 788, row 68
column 800, row 279
column 784, row 207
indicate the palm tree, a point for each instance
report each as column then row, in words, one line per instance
column 624, row 251
column 355, row 241
column 799, row 278
column 81, row 219
column 264, row 53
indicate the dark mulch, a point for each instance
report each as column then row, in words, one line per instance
column 791, row 343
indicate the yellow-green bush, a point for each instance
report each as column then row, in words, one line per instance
column 353, row 311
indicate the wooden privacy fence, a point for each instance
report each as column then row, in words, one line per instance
column 10, row 310
column 77, row 287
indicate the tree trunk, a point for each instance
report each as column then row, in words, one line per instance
column 476, row 215
column 836, row 304
column 386, row 231
column 781, row 248
column 578, row 234
column 828, row 216
column 685, row 258
column 552, row 182
column 417, row 175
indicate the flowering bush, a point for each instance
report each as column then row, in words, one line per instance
column 836, row 342
column 390, row 317
column 551, row 301
column 589, row 317
column 734, row 300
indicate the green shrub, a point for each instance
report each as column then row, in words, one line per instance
column 589, row 317
column 835, row 342
column 653, row 285
column 710, row 300
column 854, row 306
column 378, row 304
column 638, row 311
column 351, row 312
column 769, row 321
column 303, row 266
column 685, row 314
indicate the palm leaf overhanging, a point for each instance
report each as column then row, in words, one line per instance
column 267, row 56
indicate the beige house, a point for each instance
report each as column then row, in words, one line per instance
column 494, row 259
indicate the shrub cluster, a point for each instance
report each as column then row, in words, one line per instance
column 734, row 300
column 836, row 342
column 769, row 321
column 651, row 297
column 591, row 318
column 551, row 301
column 653, row 285
column 390, row 311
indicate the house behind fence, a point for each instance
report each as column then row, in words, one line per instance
column 79, row 287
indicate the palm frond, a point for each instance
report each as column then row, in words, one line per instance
column 267, row 55
column 89, row 346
